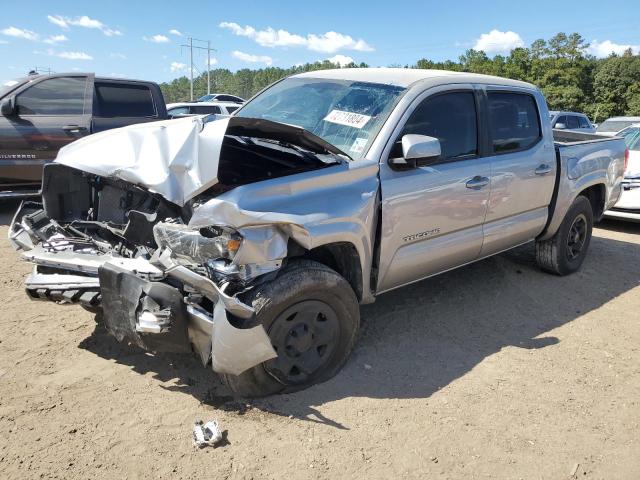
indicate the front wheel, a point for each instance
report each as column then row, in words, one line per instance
column 564, row 253
column 311, row 315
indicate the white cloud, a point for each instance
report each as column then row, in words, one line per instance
column 341, row 60
column 53, row 39
column 157, row 39
column 66, row 55
column 83, row 21
column 175, row 32
column 329, row 42
column 177, row 66
column 606, row 48
column 247, row 57
column 120, row 56
column 19, row 33
column 496, row 42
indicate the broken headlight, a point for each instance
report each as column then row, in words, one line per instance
column 197, row 245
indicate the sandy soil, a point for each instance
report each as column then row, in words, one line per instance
column 493, row 371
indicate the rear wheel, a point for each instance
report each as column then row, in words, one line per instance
column 564, row 253
column 311, row 315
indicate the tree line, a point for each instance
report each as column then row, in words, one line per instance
column 570, row 78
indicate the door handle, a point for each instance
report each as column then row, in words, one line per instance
column 543, row 169
column 477, row 182
column 74, row 128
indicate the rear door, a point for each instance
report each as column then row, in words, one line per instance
column 121, row 103
column 50, row 113
column 523, row 168
column 432, row 216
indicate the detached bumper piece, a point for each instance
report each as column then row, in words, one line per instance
column 149, row 314
column 64, row 288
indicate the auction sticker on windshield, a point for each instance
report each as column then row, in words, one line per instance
column 350, row 119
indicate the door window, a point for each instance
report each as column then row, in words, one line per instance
column 123, row 100
column 562, row 119
column 584, row 123
column 572, row 122
column 55, row 96
column 514, row 121
column 451, row 118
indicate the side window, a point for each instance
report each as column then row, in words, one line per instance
column 205, row 109
column 584, row 123
column 178, row 111
column 561, row 119
column 230, row 110
column 514, row 121
column 572, row 122
column 56, row 96
column 451, row 118
column 123, row 100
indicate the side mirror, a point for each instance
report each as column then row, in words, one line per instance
column 417, row 151
column 8, row 106
column 560, row 126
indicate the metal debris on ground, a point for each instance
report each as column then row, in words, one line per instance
column 206, row 434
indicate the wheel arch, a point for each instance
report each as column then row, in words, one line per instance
column 343, row 257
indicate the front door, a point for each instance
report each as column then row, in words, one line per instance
column 432, row 216
column 50, row 113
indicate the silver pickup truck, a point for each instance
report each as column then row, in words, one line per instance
column 251, row 240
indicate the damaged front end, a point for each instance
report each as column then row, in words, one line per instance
column 166, row 232
column 111, row 246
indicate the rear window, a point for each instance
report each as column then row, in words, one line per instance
column 632, row 138
column 514, row 121
column 121, row 100
column 614, row 125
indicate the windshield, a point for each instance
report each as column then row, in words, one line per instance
column 631, row 138
column 344, row 113
column 614, row 125
column 206, row 98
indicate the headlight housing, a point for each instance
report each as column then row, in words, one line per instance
column 197, row 245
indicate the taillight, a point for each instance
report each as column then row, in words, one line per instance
column 626, row 158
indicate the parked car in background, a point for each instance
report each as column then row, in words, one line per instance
column 251, row 240
column 628, row 207
column 42, row 113
column 185, row 109
column 571, row 121
column 611, row 126
column 221, row 97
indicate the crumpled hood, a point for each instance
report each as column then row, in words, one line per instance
column 177, row 159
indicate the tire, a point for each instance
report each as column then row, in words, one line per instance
column 564, row 253
column 312, row 316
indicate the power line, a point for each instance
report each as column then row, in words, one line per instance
column 208, row 48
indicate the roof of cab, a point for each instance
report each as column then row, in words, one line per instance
column 405, row 77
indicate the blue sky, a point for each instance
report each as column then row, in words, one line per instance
column 142, row 38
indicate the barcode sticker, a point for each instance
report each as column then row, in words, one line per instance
column 350, row 119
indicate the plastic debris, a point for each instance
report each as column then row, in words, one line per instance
column 206, row 434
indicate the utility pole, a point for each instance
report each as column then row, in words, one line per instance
column 208, row 48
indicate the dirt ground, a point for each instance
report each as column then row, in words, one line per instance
column 495, row 370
